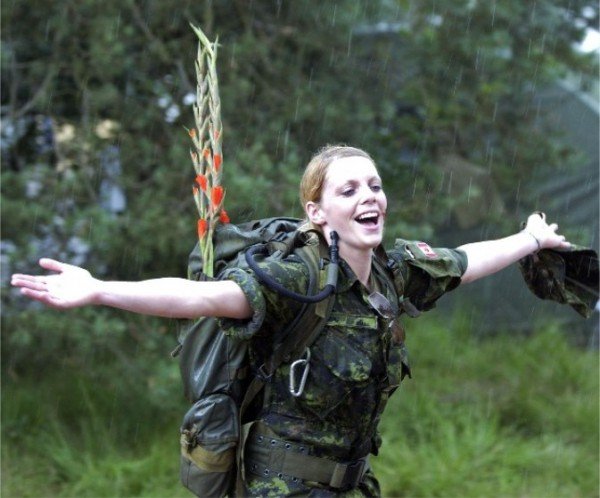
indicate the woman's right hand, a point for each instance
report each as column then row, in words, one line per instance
column 70, row 287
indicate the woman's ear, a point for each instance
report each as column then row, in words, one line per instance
column 314, row 213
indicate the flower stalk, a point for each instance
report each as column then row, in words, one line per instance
column 207, row 150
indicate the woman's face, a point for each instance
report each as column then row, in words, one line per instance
column 352, row 203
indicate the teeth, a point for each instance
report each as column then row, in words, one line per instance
column 367, row 216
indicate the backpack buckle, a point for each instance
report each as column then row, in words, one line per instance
column 263, row 374
column 301, row 363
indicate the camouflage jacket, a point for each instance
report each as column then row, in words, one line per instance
column 355, row 363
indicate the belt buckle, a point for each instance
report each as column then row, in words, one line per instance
column 352, row 476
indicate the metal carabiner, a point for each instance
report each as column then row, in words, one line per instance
column 302, row 362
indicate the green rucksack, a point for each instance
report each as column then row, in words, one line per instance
column 215, row 370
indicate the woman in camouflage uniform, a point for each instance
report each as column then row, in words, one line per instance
column 316, row 443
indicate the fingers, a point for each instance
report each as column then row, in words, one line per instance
column 53, row 265
column 20, row 277
column 536, row 215
column 29, row 282
column 39, row 282
column 536, row 220
column 564, row 243
column 33, row 281
column 38, row 295
column 546, row 233
column 43, row 297
column 562, row 240
column 37, row 288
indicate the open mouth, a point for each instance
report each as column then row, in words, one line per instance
column 368, row 219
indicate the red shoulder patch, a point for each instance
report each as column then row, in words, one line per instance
column 425, row 249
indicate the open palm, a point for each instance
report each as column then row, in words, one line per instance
column 70, row 287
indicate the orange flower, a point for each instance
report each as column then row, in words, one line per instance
column 195, row 190
column 192, row 133
column 206, row 153
column 194, row 157
column 217, row 161
column 202, row 182
column 223, row 217
column 202, row 228
column 217, row 196
column 216, row 134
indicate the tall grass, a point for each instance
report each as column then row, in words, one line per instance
column 501, row 417
column 508, row 416
column 69, row 436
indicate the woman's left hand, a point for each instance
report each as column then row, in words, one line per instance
column 544, row 233
column 487, row 257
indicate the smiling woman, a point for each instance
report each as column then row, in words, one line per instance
column 353, row 204
column 301, row 440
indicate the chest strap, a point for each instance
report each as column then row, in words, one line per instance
column 269, row 456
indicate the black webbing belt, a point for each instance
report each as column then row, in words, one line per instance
column 269, row 456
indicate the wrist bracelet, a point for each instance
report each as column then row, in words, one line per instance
column 539, row 246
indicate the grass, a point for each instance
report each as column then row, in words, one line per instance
column 508, row 416
column 500, row 417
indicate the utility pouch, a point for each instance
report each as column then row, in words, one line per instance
column 209, row 437
column 203, row 483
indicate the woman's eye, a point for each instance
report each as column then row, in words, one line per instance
column 348, row 192
column 376, row 188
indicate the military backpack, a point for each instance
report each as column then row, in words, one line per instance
column 216, row 374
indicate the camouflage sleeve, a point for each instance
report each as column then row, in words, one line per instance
column 429, row 273
column 271, row 311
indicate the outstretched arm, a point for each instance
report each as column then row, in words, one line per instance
column 72, row 286
column 491, row 256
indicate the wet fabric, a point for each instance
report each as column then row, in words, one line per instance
column 356, row 362
column 568, row 276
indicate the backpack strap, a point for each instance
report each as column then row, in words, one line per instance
column 297, row 336
column 307, row 324
column 299, row 333
column 400, row 275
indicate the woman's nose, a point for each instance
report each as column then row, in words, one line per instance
column 367, row 195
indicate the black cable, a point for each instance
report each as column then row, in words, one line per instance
column 265, row 278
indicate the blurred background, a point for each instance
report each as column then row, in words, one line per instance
column 477, row 113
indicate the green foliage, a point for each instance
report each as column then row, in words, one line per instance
column 506, row 416
column 458, row 77
column 468, row 73
column 509, row 416
column 70, row 436
column 43, row 341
